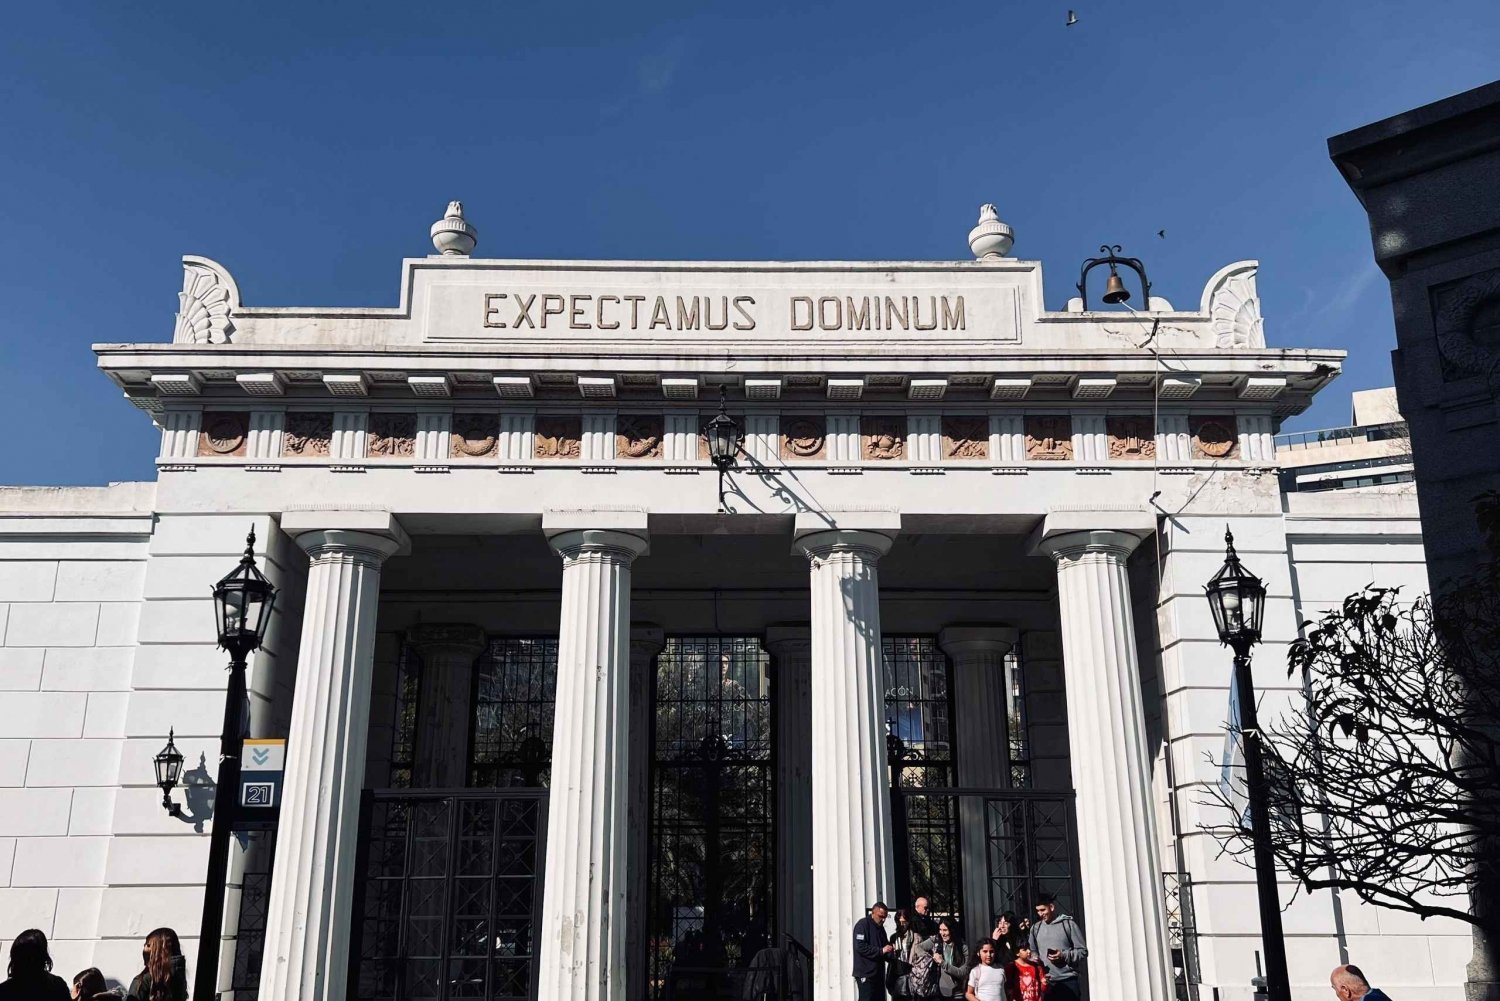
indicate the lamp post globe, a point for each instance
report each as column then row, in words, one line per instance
column 243, row 599
column 1237, row 599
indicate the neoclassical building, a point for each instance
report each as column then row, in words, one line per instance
column 568, row 716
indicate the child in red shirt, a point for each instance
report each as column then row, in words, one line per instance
column 1025, row 979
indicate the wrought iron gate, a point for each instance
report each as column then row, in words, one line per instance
column 712, row 794
column 450, row 896
column 1030, row 847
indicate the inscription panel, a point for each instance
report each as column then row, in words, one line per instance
column 701, row 302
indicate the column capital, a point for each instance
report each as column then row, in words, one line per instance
column 457, row 638
column 623, row 546
column 368, row 548
column 789, row 640
column 646, row 640
column 964, row 642
column 821, row 545
column 1067, row 534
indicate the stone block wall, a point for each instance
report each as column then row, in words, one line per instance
column 72, row 569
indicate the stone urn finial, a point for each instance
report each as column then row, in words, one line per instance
column 452, row 234
column 991, row 239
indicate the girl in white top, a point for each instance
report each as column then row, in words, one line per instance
column 986, row 980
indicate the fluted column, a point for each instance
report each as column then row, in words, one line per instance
column 851, row 801
column 448, row 652
column 646, row 642
column 309, row 920
column 583, row 954
column 1119, row 858
column 792, row 648
column 983, row 734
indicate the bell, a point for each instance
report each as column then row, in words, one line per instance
column 1115, row 291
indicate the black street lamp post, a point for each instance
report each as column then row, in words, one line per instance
column 242, row 606
column 1238, row 600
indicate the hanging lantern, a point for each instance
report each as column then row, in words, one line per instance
column 1238, row 600
column 242, row 605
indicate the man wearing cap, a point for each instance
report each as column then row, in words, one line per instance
column 870, row 951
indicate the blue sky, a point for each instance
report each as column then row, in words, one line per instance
column 308, row 147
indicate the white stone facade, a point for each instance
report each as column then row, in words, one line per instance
column 1025, row 481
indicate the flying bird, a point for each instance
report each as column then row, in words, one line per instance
column 1072, row 18
column 1162, row 233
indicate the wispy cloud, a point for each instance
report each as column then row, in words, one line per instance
column 655, row 70
column 1332, row 305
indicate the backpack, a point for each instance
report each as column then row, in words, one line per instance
column 923, row 981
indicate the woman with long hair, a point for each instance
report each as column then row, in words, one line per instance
column 165, row 975
column 950, row 958
column 1005, row 936
column 898, row 967
column 29, row 975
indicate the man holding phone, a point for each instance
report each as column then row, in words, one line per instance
column 1057, row 941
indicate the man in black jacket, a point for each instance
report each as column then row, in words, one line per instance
column 870, row 952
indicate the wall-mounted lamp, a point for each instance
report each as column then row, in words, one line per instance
column 168, row 763
column 725, row 437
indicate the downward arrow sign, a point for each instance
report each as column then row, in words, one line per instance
column 259, row 756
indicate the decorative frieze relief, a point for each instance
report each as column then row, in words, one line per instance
column 639, row 436
column 804, row 436
column 475, row 436
column 392, row 436
column 1049, row 438
column 559, row 436
column 966, row 437
column 307, row 434
column 1214, row 437
column 1131, row 438
column 882, row 438
column 224, row 433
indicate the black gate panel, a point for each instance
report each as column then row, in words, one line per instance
column 451, row 895
column 712, row 800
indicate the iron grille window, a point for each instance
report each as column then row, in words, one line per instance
column 712, row 782
column 919, row 743
column 515, row 690
column 250, row 933
column 404, row 726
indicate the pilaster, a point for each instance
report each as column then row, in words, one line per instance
column 646, row 641
column 791, row 646
column 983, row 732
column 448, row 652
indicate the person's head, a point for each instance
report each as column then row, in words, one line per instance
column 921, row 905
column 28, row 954
column 985, row 951
column 903, row 919
column 159, row 952
column 878, row 911
column 1023, row 952
column 1046, row 907
column 88, row 983
column 945, row 931
column 1005, row 923
column 1349, row 983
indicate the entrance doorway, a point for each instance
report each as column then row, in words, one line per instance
column 712, row 781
